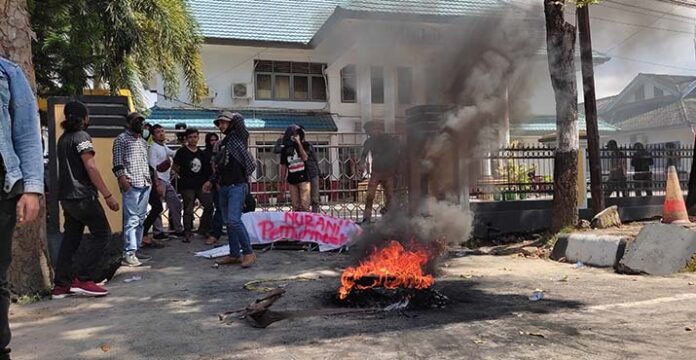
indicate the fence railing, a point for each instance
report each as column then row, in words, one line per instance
column 515, row 173
column 526, row 172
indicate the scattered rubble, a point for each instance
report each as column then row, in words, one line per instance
column 609, row 217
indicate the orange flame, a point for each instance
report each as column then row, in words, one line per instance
column 390, row 267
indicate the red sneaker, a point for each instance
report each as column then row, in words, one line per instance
column 60, row 292
column 87, row 288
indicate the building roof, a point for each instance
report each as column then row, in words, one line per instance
column 297, row 21
column 254, row 120
column 678, row 113
column 544, row 124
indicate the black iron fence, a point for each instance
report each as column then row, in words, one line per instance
column 526, row 172
column 516, row 173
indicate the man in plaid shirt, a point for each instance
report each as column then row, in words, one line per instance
column 131, row 168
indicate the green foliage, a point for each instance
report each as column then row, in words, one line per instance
column 115, row 44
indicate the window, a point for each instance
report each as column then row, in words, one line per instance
column 263, row 86
column 640, row 93
column 377, row 80
column 405, row 84
column 281, row 87
column 659, row 92
column 286, row 80
column 349, row 82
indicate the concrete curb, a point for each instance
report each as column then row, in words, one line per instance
column 590, row 249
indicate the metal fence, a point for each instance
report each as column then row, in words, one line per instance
column 515, row 173
column 526, row 172
column 343, row 175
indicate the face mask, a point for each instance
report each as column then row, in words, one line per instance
column 137, row 128
column 146, row 134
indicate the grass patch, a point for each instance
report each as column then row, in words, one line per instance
column 29, row 299
column 691, row 266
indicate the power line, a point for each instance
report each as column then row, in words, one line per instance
column 679, row 3
column 649, row 10
column 631, row 36
column 652, row 63
column 642, row 26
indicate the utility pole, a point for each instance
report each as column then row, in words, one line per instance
column 590, row 108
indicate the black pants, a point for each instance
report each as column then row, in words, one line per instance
column 78, row 214
column 206, row 199
column 156, row 209
column 8, row 218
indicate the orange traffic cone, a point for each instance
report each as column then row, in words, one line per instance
column 674, row 211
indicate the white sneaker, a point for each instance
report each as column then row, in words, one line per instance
column 130, row 260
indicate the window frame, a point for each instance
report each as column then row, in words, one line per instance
column 374, row 83
column 355, row 82
column 399, row 88
column 292, row 76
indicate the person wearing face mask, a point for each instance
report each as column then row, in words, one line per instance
column 130, row 163
column 78, row 187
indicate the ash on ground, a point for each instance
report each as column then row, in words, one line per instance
column 393, row 299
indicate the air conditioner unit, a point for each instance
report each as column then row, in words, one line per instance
column 240, row 91
column 212, row 94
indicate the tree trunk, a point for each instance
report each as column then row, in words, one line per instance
column 30, row 271
column 560, row 42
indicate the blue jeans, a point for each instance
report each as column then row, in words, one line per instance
column 216, row 229
column 134, row 212
column 231, row 204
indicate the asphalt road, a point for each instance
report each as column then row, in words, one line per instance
column 172, row 314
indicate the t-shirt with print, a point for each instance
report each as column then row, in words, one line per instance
column 297, row 170
column 194, row 168
column 157, row 155
column 73, row 180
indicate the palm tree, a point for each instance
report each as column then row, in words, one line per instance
column 119, row 44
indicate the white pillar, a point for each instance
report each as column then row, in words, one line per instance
column 390, row 98
column 364, row 92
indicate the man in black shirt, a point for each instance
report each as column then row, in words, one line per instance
column 384, row 149
column 79, row 181
column 232, row 167
column 194, row 168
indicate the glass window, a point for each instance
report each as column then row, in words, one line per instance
column 348, row 84
column 286, row 80
column 300, row 87
column 377, row 79
column 282, row 87
column 405, row 79
column 263, row 86
column 318, row 88
column 659, row 92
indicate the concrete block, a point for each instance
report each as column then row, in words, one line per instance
column 590, row 249
column 659, row 249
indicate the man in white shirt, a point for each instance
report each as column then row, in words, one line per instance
column 161, row 160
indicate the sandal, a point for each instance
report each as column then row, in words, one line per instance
column 211, row 241
column 152, row 244
column 228, row 260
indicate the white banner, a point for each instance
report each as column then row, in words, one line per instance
column 328, row 232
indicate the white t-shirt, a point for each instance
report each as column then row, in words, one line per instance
column 159, row 154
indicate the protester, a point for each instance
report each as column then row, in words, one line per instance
column 293, row 168
column 131, row 168
column 195, row 168
column 617, row 171
column 21, row 174
column 642, row 161
column 313, row 172
column 233, row 165
column 211, row 141
column 160, row 158
column 384, row 149
column 78, row 183
column 156, row 208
